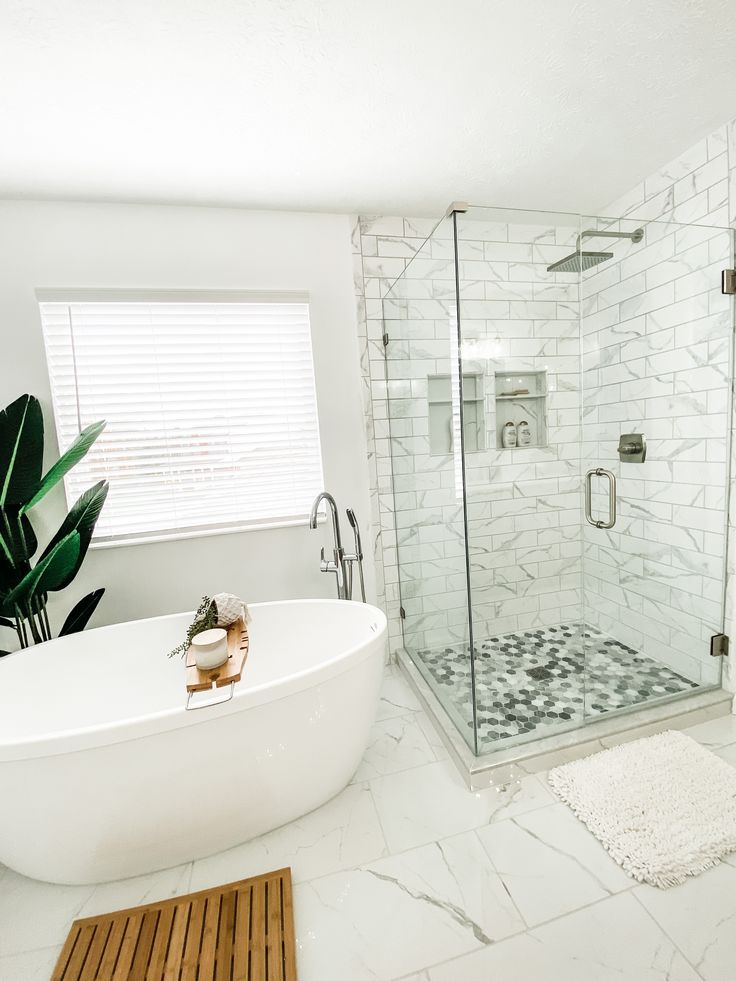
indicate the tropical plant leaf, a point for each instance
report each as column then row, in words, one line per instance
column 49, row 571
column 79, row 449
column 18, row 540
column 7, row 556
column 28, row 536
column 21, row 450
column 79, row 616
column 82, row 518
column 10, row 577
column 11, row 546
column 15, row 546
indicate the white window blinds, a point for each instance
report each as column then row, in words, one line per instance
column 210, row 406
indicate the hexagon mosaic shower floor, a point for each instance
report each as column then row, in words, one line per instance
column 545, row 677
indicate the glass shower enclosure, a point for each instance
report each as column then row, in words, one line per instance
column 559, row 395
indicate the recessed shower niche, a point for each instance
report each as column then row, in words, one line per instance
column 521, row 396
column 444, row 419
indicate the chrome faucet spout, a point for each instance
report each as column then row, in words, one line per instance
column 324, row 496
column 341, row 565
column 337, row 565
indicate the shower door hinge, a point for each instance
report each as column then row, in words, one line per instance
column 385, row 340
column 728, row 281
column 719, row 646
column 402, row 613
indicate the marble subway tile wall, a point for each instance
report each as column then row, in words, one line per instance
column 656, row 348
column 381, row 248
column 523, row 505
column 420, row 318
column 656, row 335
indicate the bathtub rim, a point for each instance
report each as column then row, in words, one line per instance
column 65, row 741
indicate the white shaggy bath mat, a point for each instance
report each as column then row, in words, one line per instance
column 664, row 807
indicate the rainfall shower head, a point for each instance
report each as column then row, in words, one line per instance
column 579, row 261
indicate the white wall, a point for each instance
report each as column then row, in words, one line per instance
column 52, row 244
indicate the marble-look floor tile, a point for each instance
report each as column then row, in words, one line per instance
column 610, row 941
column 716, row 732
column 550, row 863
column 558, row 828
column 432, row 736
column 110, row 896
column 394, row 744
column 398, row 915
column 700, row 915
column 35, row 965
column 36, row 914
column 431, row 802
column 341, row 834
column 396, row 697
column 727, row 753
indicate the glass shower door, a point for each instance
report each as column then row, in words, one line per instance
column 429, row 422
column 520, row 347
column 657, row 368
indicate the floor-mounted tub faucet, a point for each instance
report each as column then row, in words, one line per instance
column 341, row 563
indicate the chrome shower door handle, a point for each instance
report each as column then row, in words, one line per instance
column 600, row 472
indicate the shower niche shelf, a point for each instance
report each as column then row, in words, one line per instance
column 442, row 422
column 521, row 396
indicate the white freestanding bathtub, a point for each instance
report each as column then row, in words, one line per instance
column 104, row 775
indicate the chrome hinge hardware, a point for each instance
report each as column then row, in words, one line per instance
column 402, row 613
column 384, row 338
column 719, row 645
column 728, row 281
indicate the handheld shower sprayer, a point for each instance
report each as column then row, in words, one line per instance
column 358, row 549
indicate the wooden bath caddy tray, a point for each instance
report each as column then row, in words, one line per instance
column 227, row 674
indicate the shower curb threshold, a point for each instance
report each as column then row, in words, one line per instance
column 503, row 766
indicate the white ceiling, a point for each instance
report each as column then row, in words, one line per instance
column 377, row 106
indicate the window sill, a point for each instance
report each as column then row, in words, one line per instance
column 174, row 536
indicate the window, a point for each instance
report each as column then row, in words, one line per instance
column 210, row 406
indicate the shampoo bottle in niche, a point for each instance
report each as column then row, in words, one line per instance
column 523, row 433
column 508, row 435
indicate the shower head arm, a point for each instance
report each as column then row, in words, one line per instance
column 636, row 236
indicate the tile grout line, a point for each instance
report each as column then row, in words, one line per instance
column 544, row 923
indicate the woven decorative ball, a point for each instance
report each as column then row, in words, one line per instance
column 229, row 608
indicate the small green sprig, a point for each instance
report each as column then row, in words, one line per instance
column 204, row 619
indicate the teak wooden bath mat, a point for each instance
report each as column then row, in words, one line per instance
column 243, row 931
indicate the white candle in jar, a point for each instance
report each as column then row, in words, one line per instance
column 210, row 648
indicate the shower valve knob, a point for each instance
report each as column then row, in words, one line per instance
column 632, row 448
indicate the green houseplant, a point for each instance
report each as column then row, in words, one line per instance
column 24, row 587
